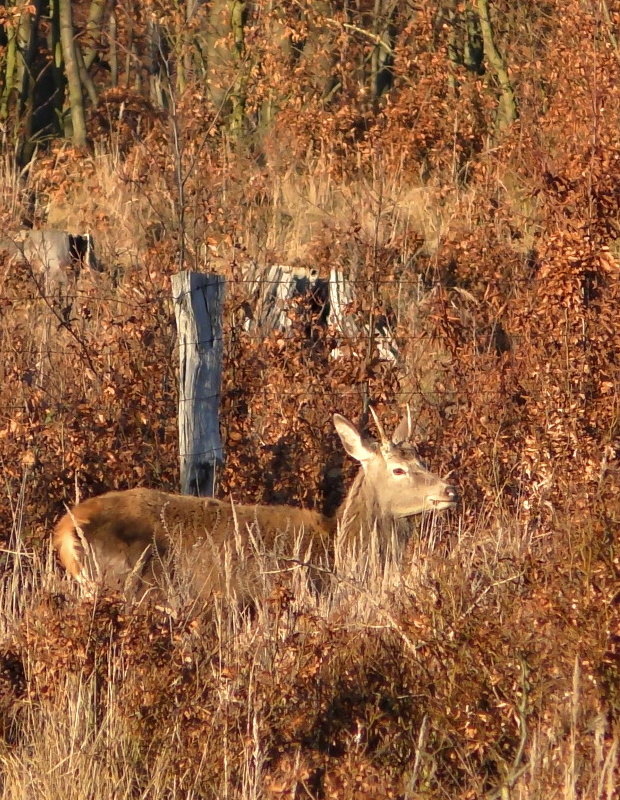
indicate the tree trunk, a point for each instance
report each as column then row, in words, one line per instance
column 72, row 71
column 507, row 111
column 10, row 77
column 238, row 93
column 381, row 58
column 39, row 93
column 85, row 78
column 93, row 31
column 113, row 57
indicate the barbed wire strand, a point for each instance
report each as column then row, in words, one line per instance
column 257, row 282
column 452, row 395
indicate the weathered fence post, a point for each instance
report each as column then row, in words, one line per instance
column 341, row 295
column 198, row 300
column 275, row 293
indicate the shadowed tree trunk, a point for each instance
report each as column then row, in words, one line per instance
column 33, row 89
column 226, row 59
column 381, row 75
column 507, row 111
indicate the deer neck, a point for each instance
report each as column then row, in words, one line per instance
column 359, row 511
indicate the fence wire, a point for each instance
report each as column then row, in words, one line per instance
column 82, row 344
column 419, row 281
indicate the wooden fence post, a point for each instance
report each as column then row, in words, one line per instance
column 341, row 295
column 198, row 300
column 275, row 293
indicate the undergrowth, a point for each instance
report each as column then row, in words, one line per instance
column 484, row 275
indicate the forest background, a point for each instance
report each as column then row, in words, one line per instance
column 459, row 163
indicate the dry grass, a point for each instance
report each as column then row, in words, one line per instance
column 391, row 682
column 480, row 662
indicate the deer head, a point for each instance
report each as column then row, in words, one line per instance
column 395, row 483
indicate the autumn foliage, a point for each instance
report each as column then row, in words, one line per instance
column 489, row 665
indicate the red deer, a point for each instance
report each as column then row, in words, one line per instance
column 131, row 534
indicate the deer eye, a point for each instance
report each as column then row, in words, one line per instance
column 398, row 471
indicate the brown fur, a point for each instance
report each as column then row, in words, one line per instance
column 124, row 528
column 133, row 534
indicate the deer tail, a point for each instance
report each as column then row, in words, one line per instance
column 68, row 544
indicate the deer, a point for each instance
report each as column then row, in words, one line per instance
column 130, row 535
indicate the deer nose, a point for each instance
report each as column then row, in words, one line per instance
column 451, row 493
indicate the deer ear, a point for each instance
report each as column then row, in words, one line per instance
column 404, row 429
column 351, row 439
